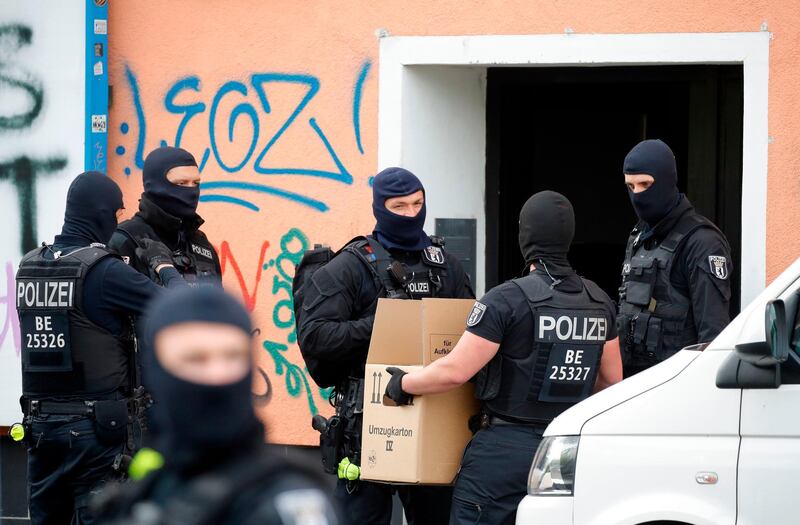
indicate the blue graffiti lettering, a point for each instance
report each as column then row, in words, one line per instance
column 137, row 104
column 357, row 92
column 230, row 200
column 238, row 110
column 176, row 103
column 188, row 110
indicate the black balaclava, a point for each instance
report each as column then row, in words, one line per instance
column 546, row 229
column 178, row 201
column 655, row 158
column 198, row 424
column 91, row 213
column 393, row 230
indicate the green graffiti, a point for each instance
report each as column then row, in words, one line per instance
column 325, row 393
column 293, row 244
column 296, row 380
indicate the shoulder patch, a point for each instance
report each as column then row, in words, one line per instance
column 475, row 316
column 433, row 254
column 719, row 266
column 126, row 259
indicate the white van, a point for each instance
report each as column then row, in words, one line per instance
column 710, row 436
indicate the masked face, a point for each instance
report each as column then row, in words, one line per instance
column 172, row 181
column 546, row 229
column 199, row 371
column 651, row 177
column 398, row 204
column 204, row 353
column 93, row 201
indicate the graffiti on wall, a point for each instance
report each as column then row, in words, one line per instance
column 205, row 111
column 20, row 84
column 233, row 127
column 41, row 142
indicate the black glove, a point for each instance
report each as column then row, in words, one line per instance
column 153, row 253
column 393, row 389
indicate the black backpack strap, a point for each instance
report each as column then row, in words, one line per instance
column 377, row 258
column 685, row 227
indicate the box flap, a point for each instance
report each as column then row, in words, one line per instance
column 443, row 323
column 396, row 333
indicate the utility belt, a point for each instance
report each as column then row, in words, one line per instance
column 340, row 435
column 114, row 419
column 485, row 420
column 133, row 406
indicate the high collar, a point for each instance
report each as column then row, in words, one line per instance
column 62, row 241
column 163, row 222
column 665, row 225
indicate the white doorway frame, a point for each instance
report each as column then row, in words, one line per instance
column 577, row 50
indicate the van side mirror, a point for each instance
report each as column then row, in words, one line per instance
column 775, row 348
column 758, row 364
column 776, row 327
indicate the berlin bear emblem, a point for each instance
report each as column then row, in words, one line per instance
column 475, row 316
column 719, row 266
column 434, row 254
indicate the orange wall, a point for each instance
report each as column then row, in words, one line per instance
column 212, row 49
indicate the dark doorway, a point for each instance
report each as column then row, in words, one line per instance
column 568, row 130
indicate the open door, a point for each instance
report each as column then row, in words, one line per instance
column 568, row 129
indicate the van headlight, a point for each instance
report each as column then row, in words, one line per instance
column 553, row 469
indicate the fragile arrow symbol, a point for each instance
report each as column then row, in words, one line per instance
column 374, row 389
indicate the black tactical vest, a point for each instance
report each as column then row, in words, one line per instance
column 193, row 257
column 655, row 320
column 398, row 280
column 64, row 354
column 536, row 384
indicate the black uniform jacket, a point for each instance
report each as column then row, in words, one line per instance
column 338, row 327
column 692, row 275
column 175, row 233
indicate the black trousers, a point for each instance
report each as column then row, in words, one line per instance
column 493, row 477
column 366, row 503
column 66, row 465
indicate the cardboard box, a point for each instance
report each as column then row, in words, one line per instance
column 423, row 442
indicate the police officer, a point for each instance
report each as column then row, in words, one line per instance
column 75, row 299
column 168, row 213
column 212, row 466
column 676, row 286
column 399, row 260
column 538, row 344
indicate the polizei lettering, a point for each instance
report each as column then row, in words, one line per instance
column 419, row 287
column 200, row 250
column 45, row 294
column 390, row 431
column 573, row 328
